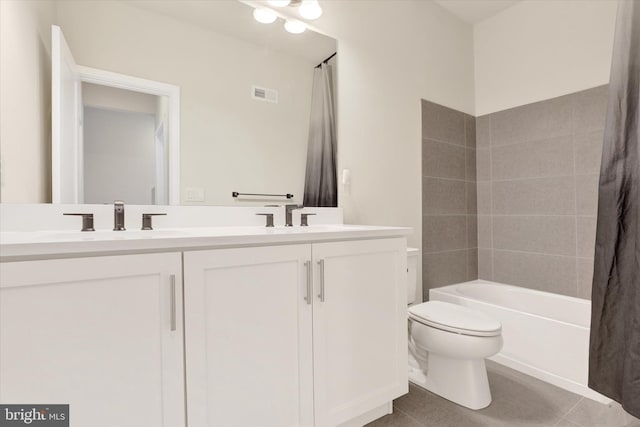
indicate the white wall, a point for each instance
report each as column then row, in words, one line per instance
column 390, row 55
column 94, row 95
column 119, row 156
column 25, row 101
column 541, row 49
column 228, row 141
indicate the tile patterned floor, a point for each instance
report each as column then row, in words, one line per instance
column 518, row 401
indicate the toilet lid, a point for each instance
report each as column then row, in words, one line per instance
column 455, row 318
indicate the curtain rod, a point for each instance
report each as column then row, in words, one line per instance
column 326, row 60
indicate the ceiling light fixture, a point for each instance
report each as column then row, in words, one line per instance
column 264, row 16
column 279, row 3
column 310, row 9
column 294, row 26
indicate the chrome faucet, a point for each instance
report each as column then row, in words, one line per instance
column 118, row 215
column 288, row 214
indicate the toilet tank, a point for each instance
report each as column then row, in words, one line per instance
column 412, row 275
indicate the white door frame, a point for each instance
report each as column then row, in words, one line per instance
column 66, row 141
column 172, row 92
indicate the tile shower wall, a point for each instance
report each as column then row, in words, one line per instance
column 449, row 229
column 537, row 186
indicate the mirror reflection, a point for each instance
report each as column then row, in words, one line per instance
column 245, row 100
column 123, row 137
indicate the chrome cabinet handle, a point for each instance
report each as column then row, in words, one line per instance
column 307, row 297
column 172, row 282
column 321, row 294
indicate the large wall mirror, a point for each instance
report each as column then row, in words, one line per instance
column 244, row 92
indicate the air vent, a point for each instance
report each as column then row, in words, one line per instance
column 264, row 94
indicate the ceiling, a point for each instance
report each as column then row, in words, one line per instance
column 474, row 11
column 235, row 19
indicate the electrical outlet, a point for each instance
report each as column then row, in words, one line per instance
column 194, row 194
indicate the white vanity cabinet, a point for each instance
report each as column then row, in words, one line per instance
column 301, row 327
column 295, row 335
column 103, row 334
column 359, row 328
column 248, row 340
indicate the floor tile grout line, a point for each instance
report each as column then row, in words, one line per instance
column 408, row 416
column 573, row 407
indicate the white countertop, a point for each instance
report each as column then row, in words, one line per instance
column 53, row 244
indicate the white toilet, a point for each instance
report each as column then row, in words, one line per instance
column 447, row 347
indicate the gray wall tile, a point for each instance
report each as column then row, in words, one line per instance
column 536, row 168
column 537, row 121
column 543, row 234
column 472, row 264
column 484, row 198
column 540, row 196
column 470, row 130
column 471, row 173
column 587, row 194
column 448, row 196
column 483, row 164
column 443, row 160
column 485, row 264
column 472, row 198
column 485, row 231
column 483, row 131
column 550, row 273
column 552, row 157
column 442, row 123
column 444, row 232
column 588, row 149
column 443, row 196
column 585, row 277
column 472, row 231
column 586, row 236
column 590, row 108
column 443, row 268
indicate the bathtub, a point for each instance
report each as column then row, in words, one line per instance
column 545, row 335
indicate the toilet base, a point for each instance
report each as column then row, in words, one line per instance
column 461, row 381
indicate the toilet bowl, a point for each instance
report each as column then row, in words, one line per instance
column 448, row 344
column 447, row 347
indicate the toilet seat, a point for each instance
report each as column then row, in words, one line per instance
column 455, row 318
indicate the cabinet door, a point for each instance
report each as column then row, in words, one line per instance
column 101, row 334
column 248, row 337
column 359, row 327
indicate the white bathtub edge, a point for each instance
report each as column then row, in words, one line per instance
column 451, row 294
column 551, row 378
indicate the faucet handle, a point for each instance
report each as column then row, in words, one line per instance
column 87, row 220
column 146, row 220
column 269, row 217
column 304, row 222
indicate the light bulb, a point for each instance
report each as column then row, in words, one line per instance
column 279, row 3
column 310, row 9
column 264, row 16
column 294, row 26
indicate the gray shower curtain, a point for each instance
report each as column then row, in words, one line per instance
column 614, row 353
column 320, row 186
